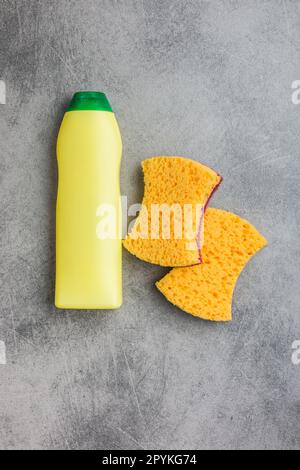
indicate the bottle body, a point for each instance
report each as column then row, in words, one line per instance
column 88, row 262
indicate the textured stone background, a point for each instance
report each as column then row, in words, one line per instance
column 206, row 79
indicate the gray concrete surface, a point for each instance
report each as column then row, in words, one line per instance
column 211, row 80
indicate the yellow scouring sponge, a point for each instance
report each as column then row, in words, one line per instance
column 206, row 290
column 168, row 229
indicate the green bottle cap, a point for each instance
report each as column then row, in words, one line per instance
column 89, row 101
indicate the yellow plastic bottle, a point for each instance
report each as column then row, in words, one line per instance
column 88, row 212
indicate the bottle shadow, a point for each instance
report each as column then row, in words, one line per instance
column 53, row 177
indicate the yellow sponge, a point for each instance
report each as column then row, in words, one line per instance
column 206, row 290
column 179, row 186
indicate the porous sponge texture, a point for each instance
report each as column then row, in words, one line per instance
column 206, row 290
column 183, row 185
